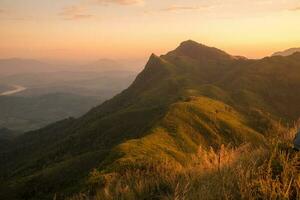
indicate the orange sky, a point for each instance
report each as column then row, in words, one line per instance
column 130, row 29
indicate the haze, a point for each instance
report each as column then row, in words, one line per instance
column 85, row 30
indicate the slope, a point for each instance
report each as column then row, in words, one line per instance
column 193, row 96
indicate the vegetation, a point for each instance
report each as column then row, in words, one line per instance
column 267, row 172
column 144, row 142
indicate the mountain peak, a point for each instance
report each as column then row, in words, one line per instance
column 154, row 66
column 199, row 51
column 190, row 43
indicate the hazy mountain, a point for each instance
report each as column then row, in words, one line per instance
column 29, row 113
column 104, row 65
column 103, row 78
column 287, row 52
column 49, row 96
column 103, row 84
column 193, row 96
column 18, row 66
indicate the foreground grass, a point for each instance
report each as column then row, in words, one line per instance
column 246, row 172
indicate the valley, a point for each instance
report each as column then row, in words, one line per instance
column 149, row 100
column 16, row 89
column 195, row 115
column 33, row 94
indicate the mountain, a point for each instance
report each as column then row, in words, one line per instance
column 6, row 136
column 103, row 84
column 28, row 113
column 110, row 65
column 18, row 66
column 104, row 65
column 193, row 96
column 287, row 52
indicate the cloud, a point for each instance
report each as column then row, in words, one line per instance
column 295, row 8
column 183, row 8
column 13, row 16
column 78, row 12
column 119, row 2
column 75, row 13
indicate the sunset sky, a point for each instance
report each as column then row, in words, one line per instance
column 132, row 29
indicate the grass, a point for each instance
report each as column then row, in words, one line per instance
column 148, row 136
column 266, row 172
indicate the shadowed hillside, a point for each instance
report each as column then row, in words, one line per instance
column 195, row 96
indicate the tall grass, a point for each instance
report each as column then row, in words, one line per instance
column 245, row 172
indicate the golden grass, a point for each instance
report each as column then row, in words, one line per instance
column 245, row 172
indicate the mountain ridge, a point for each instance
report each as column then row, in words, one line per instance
column 180, row 101
column 287, row 52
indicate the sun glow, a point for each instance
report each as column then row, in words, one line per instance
column 87, row 30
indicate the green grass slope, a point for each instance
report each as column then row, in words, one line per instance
column 198, row 121
column 193, row 96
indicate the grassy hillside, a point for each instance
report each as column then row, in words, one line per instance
column 268, row 172
column 194, row 96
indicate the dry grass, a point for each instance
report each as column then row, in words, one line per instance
column 245, row 172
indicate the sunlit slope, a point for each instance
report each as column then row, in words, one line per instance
column 193, row 96
column 197, row 121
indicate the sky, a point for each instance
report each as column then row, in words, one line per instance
column 82, row 30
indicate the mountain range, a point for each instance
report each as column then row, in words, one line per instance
column 34, row 94
column 17, row 66
column 23, row 113
column 287, row 52
column 192, row 96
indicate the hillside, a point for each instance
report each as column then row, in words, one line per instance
column 193, row 96
column 287, row 52
column 6, row 136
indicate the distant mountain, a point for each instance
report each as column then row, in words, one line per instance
column 18, row 66
column 110, row 65
column 287, row 52
column 28, row 113
column 193, row 96
column 103, row 84
column 104, row 65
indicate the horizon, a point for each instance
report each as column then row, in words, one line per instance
column 140, row 99
column 87, row 30
column 126, row 60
